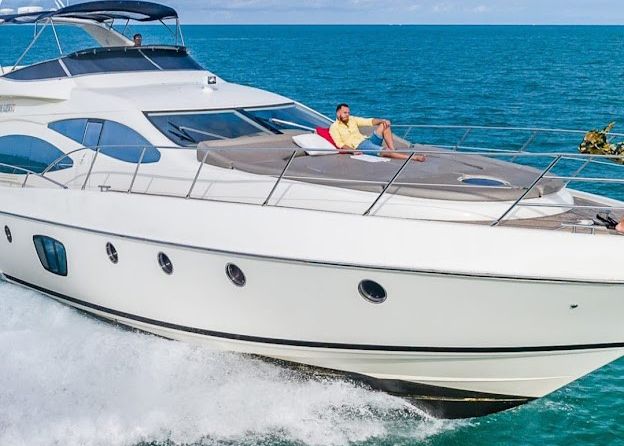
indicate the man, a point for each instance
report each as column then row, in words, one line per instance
column 345, row 132
column 138, row 39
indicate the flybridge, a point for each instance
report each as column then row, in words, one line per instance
column 99, row 19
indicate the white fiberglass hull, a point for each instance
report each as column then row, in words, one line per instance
column 460, row 343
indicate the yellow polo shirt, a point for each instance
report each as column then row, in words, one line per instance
column 349, row 134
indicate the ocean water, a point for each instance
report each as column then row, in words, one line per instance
column 67, row 379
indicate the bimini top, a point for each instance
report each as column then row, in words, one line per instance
column 99, row 11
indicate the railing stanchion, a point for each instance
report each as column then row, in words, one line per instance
column 579, row 170
column 387, row 186
column 462, row 139
column 84, row 185
column 199, row 169
column 526, row 144
column 136, row 170
column 529, row 189
column 280, row 178
column 25, row 180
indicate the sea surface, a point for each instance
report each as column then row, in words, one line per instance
column 67, row 379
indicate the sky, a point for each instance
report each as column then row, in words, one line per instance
column 389, row 11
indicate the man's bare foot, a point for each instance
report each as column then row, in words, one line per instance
column 420, row 158
column 620, row 226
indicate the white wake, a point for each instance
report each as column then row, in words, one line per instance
column 68, row 379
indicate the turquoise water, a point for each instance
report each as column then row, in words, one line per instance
column 67, row 379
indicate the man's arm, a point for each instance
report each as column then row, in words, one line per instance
column 385, row 122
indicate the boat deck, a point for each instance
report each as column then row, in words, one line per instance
column 578, row 220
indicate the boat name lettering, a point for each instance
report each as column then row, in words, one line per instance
column 7, row 108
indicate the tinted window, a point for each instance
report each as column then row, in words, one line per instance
column 171, row 59
column 114, row 139
column 72, row 128
column 92, row 133
column 29, row 153
column 107, row 61
column 191, row 128
column 279, row 118
column 51, row 254
column 44, row 70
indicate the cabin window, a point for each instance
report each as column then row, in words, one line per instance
column 29, row 153
column 114, row 139
column 189, row 129
column 51, row 254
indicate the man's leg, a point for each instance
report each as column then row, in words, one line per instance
column 386, row 134
column 401, row 156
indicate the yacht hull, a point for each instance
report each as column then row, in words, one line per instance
column 456, row 344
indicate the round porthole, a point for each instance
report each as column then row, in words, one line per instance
column 9, row 236
column 165, row 263
column 235, row 274
column 112, row 253
column 372, row 291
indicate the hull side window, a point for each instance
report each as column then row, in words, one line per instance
column 52, row 254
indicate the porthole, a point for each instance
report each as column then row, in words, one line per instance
column 235, row 274
column 111, row 251
column 165, row 263
column 9, row 236
column 372, row 291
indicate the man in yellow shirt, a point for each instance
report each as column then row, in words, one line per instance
column 345, row 132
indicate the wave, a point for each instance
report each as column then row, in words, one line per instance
column 69, row 379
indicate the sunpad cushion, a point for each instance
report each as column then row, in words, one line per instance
column 313, row 141
column 324, row 132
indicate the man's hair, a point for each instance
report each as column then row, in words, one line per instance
column 341, row 105
column 137, row 35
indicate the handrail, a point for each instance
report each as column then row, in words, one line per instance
column 387, row 186
column 529, row 189
column 29, row 172
column 461, row 149
column 292, row 157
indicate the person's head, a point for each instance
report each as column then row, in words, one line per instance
column 343, row 112
column 138, row 39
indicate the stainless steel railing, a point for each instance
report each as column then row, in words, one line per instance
column 458, row 149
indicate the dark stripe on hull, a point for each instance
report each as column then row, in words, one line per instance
column 328, row 345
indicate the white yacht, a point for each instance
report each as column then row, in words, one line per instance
column 139, row 187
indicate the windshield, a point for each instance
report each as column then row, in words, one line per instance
column 191, row 128
column 289, row 116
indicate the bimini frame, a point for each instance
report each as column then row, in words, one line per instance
column 101, row 14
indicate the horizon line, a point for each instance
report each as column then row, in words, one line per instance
column 398, row 24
